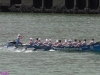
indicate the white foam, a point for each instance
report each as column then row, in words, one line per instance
column 23, row 49
column 18, row 51
column 51, row 50
column 11, row 48
column 28, row 51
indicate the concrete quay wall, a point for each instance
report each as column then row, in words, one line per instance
column 51, row 6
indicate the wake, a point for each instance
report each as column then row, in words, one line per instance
column 19, row 50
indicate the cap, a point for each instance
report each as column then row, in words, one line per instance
column 46, row 39
column 65, row 40
column 39, row 39
column 70, row 40
column 18, row 35
column 31, row 38
column 56, row 40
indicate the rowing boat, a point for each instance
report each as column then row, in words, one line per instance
column 93, row 47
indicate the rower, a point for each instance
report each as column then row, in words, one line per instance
column 31, row 42
column 36, row 41
column 46, row 42
column 74, row 43
column 39, row 41
column 79, row 44
column 49, row 42
column 56, row 43
column 69, row 43
column 59, row 43
column 91, row 42
column 65, row 43
column 84, row 43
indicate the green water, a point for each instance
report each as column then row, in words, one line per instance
column 51, row 26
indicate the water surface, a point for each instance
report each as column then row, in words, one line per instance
column 51, row 26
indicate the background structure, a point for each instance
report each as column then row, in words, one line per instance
column 51, row 6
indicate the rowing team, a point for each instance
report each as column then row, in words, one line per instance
column 58, row 43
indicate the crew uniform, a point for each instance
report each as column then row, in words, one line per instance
column 31, row 44
column 18, row 40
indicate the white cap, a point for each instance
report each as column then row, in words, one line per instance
column 46, row 39
column 69, row 40
column 65, row 40
column 39, row 39
column 56, row 40
column 31, row 38
column 18, row 35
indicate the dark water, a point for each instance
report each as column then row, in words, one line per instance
column 51, row 26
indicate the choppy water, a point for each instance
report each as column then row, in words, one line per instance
column 53, row 26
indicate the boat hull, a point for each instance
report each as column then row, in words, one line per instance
column 94, row 47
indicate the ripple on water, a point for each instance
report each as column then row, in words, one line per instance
column 51, row 26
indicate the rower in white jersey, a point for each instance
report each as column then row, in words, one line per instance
column 46, row 42
column 65, row 43
column 74, row 44
column 39, row 41
column 36, row 41
column 84, row 43
column 50, row 42
column 70, row 43
column 31, row 42
column 79, row 44
column 59, row 43
column 56, row 43
column 30, row 45
column 91, row 42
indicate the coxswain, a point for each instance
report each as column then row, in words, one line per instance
column 19, row 37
